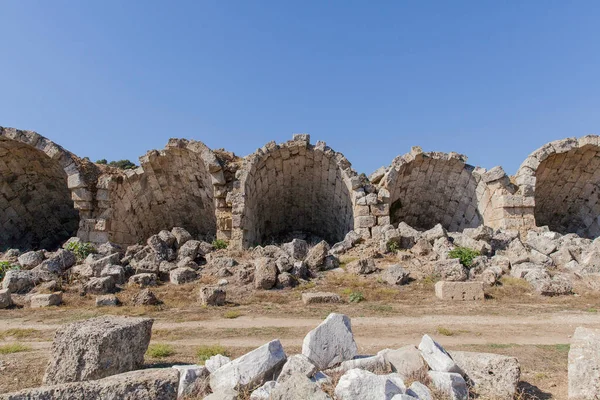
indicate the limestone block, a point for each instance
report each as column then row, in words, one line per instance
column 406, row 361
column 451, row 384
column 436, row 356
column 97, row 348
column 213, row 296
column 5, row 299
column 490, row 375
column 365, row 385
column 331, row 342
column 46, row 300
column 320, row 297
column 584, row 364
column 461, row 291
column 250, row 370
column 160, row 383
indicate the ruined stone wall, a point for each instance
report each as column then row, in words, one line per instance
column 291, row 187
column 430, row 188
column 281, row 189
column 562, row 180
column 42, row 187
column 173, row 187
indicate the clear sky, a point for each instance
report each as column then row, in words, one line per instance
column 490, row 79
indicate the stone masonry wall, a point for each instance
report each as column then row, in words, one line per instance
column 562, row 179
column 173, row 187
column 430, row 188
column 281, row 189
column 290, row 187
column 42, row 187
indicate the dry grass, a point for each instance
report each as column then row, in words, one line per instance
column 445, row 331
column 205, row 352
column 232, row 314
column 26, row 334
column 160, row 350
column 13, row 348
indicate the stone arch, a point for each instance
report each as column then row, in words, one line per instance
column 563, row 178
column 41, row 188
column 294, row 186
column 430, row 188
column 172, row 187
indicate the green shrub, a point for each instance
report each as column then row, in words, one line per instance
column 219, row 244
column 356, row 297
column 464, row 254
column 6, row 266
column 393, row 246
column 81, row 249
column 160, row 350
column 205, row 352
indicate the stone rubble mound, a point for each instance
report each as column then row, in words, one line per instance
column 464, row 264
column 101, row 357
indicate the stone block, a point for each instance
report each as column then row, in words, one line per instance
column 462, row 291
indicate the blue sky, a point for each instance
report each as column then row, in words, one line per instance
column 490, row 79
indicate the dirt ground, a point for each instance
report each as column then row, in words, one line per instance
column 512, row 321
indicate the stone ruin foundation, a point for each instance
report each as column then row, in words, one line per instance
column 47, row 193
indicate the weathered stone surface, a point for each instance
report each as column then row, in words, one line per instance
column 331, row 342
column 31, row 259
column 437, row 232
column 286, row 280
column 419, row 391
column 216, row 362
column 45, row 300
column 450, row 383
column 188, row 379
column 375, row 364
column 358, row 384
column 181, row 236
column 251, row 369
column 213, row 296
column 167, row 237
column 297, row 364
column 265, row 274
column 107, row 300
column 5, row 299
column 320, row 297
column 481, row 232
column 145, row 298
column 395, row 275
column 57, row 263
column 263, row 392
column 160, row 248
column 115, row 271
column 450, row 270
column 490, row 375
column 179, row 276
column 102, row 285
column 362, row 266
column 317, row 254
column 297, row 387
column 436, row 357
column 97, row 348
column 143, row 280
column 191, row 249
column 584, row 364
column 136, row 385
column 19, row 281
column 461, row 291
column 406, row 361
column 297, row 249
